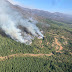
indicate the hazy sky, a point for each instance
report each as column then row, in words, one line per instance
column 64, row 6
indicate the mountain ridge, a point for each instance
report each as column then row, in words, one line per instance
column 60, row 17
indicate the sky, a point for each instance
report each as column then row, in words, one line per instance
column 63, row 6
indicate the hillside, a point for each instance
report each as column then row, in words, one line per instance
column 57, row 41
column 53, row 53
column 45, row 14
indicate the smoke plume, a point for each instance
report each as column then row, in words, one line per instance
column 16, row 26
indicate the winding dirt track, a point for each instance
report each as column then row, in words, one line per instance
column 61, row 48
column 23, row 55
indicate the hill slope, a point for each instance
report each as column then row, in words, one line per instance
column 45, row 14
column 53, row 53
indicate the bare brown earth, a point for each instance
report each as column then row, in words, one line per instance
column 56, row 41
column 61, row 48
column 23, row 55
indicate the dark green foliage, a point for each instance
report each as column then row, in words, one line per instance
column 59, row 62
column 9, row 46
column 34, row 64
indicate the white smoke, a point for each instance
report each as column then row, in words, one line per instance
column 12, row 23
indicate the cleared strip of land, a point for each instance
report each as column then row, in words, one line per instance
column 23, row 55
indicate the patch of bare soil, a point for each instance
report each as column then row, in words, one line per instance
column 58, row 44
column 71, row 53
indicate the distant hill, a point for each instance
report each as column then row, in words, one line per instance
column 44, row 14
column 40, row 14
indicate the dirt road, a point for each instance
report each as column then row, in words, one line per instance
column 23, row 55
